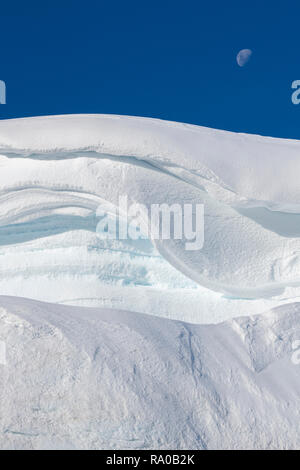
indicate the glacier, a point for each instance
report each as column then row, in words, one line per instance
column 75, row 299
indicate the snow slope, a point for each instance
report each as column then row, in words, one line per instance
column 201, row 370
column 55, row 171
column 94, row 378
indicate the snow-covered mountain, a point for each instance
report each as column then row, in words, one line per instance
column 93, row 378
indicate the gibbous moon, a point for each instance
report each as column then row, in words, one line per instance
column 243, row 57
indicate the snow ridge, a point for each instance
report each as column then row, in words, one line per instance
column 94, row 378
column 111, row 376
column 68, row 165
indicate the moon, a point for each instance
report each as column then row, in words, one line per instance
column 243, row 57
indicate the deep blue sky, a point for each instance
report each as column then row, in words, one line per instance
column 170, row 59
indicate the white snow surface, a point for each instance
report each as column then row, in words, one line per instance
column 55, row 171
column 84, row 378
column 141, row 343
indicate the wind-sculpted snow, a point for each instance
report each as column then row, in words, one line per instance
column 55, row 171
column 106, row 377
column 252, row 170
column 93, row 378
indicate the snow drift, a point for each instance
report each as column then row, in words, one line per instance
column 55, row 171
column 92, row 378
column 82, row 377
